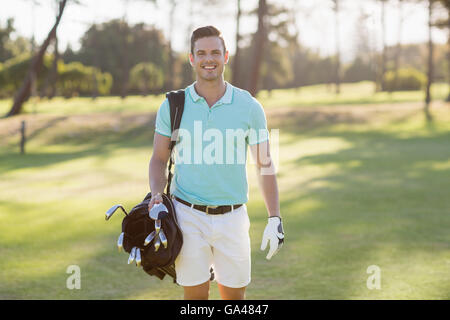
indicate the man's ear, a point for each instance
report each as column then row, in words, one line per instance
column 226, row 57
column 191, row 59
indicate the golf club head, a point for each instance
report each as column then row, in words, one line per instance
column 163, row 238
column 112, row 210
column 157, row 226
column 138, row 257
column 149, row 238
column 158, row 210
column 120, row 242
column 157, row 243
column 132, row 255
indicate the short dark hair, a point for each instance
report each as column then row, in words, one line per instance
column 203, row 32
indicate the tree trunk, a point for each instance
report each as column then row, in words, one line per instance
column 24, row 92
column 94, row 93
column 260, row 39
column 430, row 63
column 235, row 72
column 448, row 53
column 54, row 71
column 382, row 86
column 337, row 76
column 146, row 82
column 398, row 48
column 125, row 69
column 171, row 75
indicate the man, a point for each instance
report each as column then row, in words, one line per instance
column 209, row 186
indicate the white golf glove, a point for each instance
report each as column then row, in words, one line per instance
column 274, row 234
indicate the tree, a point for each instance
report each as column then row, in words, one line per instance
column 236, row 58
column 383, row 58
column 101, row 47
column 398, row 48
column 260, row 39
column 274, row 31
column 430, row 71
column 296, row 54
column 171, row 73
column 364, row 66
column 359, row 70
column 445, row 24
column 16, row 69
column 24, row 92
column 337, row 76
column 125, row 37
column 276, row 71
column 276, row 68
column 5, row 34
column 52, row 77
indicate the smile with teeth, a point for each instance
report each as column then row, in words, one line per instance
column 209, row 67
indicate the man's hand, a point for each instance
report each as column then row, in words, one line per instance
column 274, row 234
column 156, row 198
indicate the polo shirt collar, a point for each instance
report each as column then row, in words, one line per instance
column 227, row 98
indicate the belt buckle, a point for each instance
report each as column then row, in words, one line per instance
column 212, row 207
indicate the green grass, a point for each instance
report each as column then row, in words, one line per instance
column 308, row 96
column 354, row 193
column 84, row 105
column 351, row 93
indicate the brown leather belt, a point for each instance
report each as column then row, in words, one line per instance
column 210, row 209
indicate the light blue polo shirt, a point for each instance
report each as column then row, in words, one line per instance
column 211, row 152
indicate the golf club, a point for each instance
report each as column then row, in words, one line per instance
column 163, row 238
column 157, row 226
column 113, row 209
column 132, row 255
column 120, row 242
column 138, row 257
column 149, row 238
column 157, row 243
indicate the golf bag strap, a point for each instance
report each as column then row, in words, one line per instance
column 176, row 103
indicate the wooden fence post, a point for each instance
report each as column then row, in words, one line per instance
column 23, row 138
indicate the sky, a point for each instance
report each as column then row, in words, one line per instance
column 315, row 20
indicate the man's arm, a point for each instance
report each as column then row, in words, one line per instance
column 273, row 233
column 157, row 167
column 266, row 177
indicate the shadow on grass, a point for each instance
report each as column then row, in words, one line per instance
column 52, row 242
column 99, row 142
column 390, row 209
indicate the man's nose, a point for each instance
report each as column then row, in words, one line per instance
column 209, row 57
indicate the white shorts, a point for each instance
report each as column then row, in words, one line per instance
column 221, row 241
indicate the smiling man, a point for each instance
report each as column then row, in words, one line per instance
column 209, row 193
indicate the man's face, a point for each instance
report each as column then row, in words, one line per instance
column 209, row 59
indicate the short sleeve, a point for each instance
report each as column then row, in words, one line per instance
column 162, row 124
column 258, row 125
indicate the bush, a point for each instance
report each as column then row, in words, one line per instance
column 73, row 78
column 408, row 79
column 77, row 79
column 146, row 77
